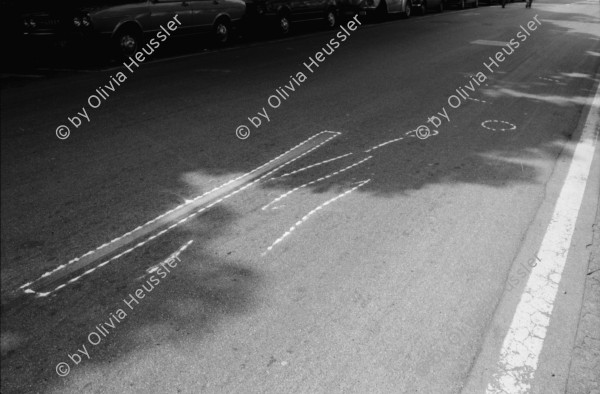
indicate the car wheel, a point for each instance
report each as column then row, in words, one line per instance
column 408, row 10
column 222, row 32
column 331, row 18
column 127, row 43
column 284, row 24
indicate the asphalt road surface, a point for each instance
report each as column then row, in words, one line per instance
column 340, row 247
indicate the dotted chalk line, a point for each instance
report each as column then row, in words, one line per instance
column 299, row 222
column 383, row 144
column 46, row 274
column 474, row 99
column 422, row 132
column 73, row 280
column 310, row 166
column 549, row 79
column 284, row 195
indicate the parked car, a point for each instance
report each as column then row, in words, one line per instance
column 125, row 24
column 379, row 9
column 462, row 4
column 282, row 14
column 422, row 6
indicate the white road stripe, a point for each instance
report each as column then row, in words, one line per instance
column 525, row 338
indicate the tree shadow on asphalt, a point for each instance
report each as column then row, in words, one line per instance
column 206, row 288
column 185, row 306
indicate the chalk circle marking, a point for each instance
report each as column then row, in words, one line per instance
column 422, row 132
column 500, row 123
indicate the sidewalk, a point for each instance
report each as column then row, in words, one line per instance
column 584, row 373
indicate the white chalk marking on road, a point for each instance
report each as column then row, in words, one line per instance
column 383, row 144
column 284, row 195
column 549, row 79
column 299, row 222
column 428, row 133
column 62, row 266
column 474, row 99
column 40, row 294
column 490, row 42
column 525, row 338
column 311, row 166
column 501, row 122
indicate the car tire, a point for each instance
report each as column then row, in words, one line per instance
column 127, row 41
column 222, row 32
column 331, row 18
column 283, row 24
column 407, row 11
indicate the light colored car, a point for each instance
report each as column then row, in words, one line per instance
column 125, row 24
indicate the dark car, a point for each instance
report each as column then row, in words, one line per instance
column 282, row 14
column 125, row 24
column 422, row 6
column 462, row 4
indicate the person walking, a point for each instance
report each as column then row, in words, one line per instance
column 503, row 2
column 528, row 3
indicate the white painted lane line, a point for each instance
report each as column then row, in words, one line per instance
column 27, row 286
column 299, row 222
column 525, row 338
column 284, row 195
